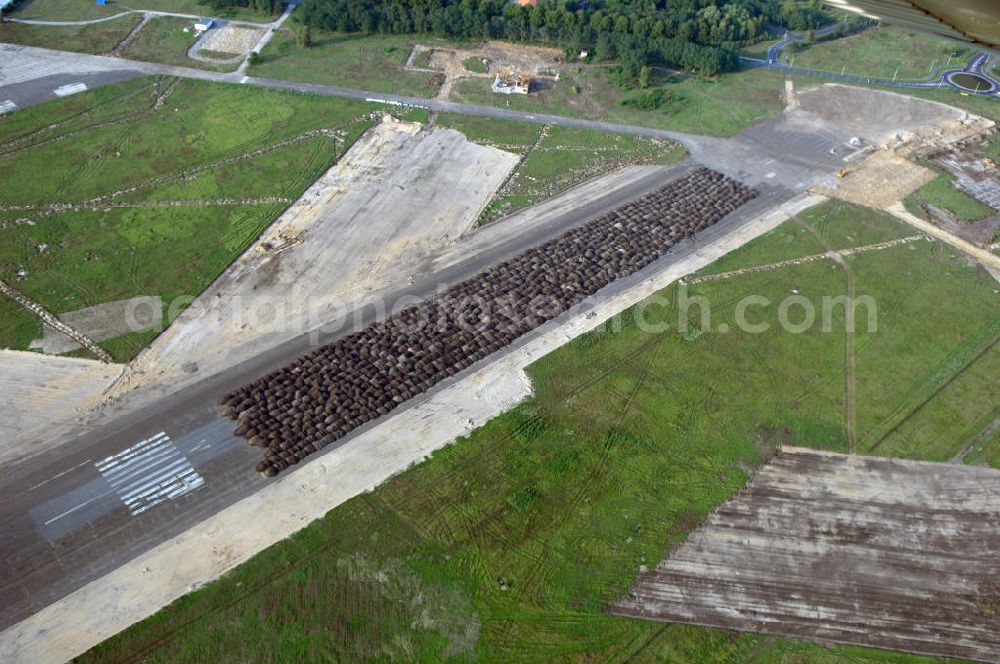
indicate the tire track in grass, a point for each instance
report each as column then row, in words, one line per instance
column 981, row 435
column 849, row 396
column 129, row 118
column 577, row 496
column 71, row 119
column 936, row 380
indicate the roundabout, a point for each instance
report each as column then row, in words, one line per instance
column 972, row 82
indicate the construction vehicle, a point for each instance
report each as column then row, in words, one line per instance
column 843, row 172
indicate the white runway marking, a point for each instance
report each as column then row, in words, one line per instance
column 55, row 477
column 70, row 89
column 71, row 510
column 149, row 472
column 7, row 106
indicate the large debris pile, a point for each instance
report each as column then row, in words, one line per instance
column 308, row 404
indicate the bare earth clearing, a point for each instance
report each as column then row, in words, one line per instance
column 33, row 387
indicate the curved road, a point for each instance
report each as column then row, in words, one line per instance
column 977, row 64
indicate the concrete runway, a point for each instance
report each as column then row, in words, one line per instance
column 82, row 509
column 65, row 522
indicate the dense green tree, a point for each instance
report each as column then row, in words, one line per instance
column 701, row 36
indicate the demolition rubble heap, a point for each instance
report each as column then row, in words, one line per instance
column 322, row 396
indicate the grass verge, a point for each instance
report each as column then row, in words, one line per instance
column 884, row 51
column 97, row 38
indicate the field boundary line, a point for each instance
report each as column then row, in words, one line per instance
column 832, row 255
column 53, row 322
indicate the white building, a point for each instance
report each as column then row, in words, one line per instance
column 511, row 81
column 203, row 24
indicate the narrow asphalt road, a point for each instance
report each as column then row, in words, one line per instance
column 941, row 78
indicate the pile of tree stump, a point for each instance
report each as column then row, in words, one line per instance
column 321, row 397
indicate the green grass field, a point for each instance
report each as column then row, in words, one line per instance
column 474, row 65
column 838, row 225
column 163, row 39
column 556, row 161
column 97, row 38
column 721, row 107
column 759, row 50
column 366, row 62
column 207, row 142
column 83, row 10
column 505, row 545
column 881, row 52
column 374, row 62
column 986, row 452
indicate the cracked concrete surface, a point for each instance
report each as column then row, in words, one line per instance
column 402, row 193
column 34, row 387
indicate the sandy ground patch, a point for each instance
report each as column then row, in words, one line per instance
column 230, row 39
column 35, row 387
column 103, row 321
column 402, row 193
column 536, row 61
column 878, row 116
column 149, row 582
column 879, row 180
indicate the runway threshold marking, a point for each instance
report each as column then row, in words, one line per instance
column 70, row 89
column 7, row 106
column 149, row 472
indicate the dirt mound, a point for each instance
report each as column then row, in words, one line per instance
column 874, row 114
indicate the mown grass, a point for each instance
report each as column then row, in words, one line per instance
column 366, row 62
column 881, row 52
column 561, row 159
column 524, row 529
column 96, row 256
column 941, row 192
column 96, row 38
column 474, row 64
column 986, row 452
column 163, row 39
column 81, row 10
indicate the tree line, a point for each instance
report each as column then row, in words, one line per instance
column 701, row 36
